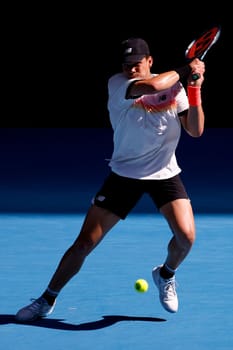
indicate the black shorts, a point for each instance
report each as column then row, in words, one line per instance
column 120, row 194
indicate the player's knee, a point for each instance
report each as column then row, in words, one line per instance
column 83, row 247
column 187, row 239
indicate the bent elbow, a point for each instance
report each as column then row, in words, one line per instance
column 197, row 132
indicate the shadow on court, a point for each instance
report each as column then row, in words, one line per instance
column 107, row 321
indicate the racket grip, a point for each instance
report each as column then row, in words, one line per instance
column 195, row 76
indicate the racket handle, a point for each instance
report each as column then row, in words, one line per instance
column 195, row 76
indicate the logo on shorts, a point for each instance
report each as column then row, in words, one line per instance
column 100, row 198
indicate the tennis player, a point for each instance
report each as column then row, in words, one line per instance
column 147, row 112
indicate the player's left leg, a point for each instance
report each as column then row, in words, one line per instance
column 179, row 215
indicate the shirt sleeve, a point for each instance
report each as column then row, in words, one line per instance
column 117, row 88
column 118, row 104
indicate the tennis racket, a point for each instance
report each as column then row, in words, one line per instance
column 199, row 47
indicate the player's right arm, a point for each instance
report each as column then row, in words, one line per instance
column 151, row 84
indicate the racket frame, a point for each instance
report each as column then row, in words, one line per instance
column 202, row 54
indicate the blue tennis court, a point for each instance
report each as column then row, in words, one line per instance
column 99, row 308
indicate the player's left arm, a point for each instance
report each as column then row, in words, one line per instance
column 193, row 121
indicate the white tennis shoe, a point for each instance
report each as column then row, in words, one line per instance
column 167, row 290
column 39, row 308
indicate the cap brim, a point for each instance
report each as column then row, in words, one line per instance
column 130, row 59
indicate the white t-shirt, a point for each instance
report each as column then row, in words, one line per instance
column 146, row 130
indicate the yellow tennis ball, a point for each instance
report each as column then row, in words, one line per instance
column 141, row 285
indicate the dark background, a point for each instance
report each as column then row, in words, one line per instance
column 57, row 58
column 54, row 127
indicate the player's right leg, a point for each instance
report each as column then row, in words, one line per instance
column 97, row 223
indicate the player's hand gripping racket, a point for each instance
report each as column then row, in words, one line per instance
column 199, row 47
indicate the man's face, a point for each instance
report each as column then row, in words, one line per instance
column 139, row 69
